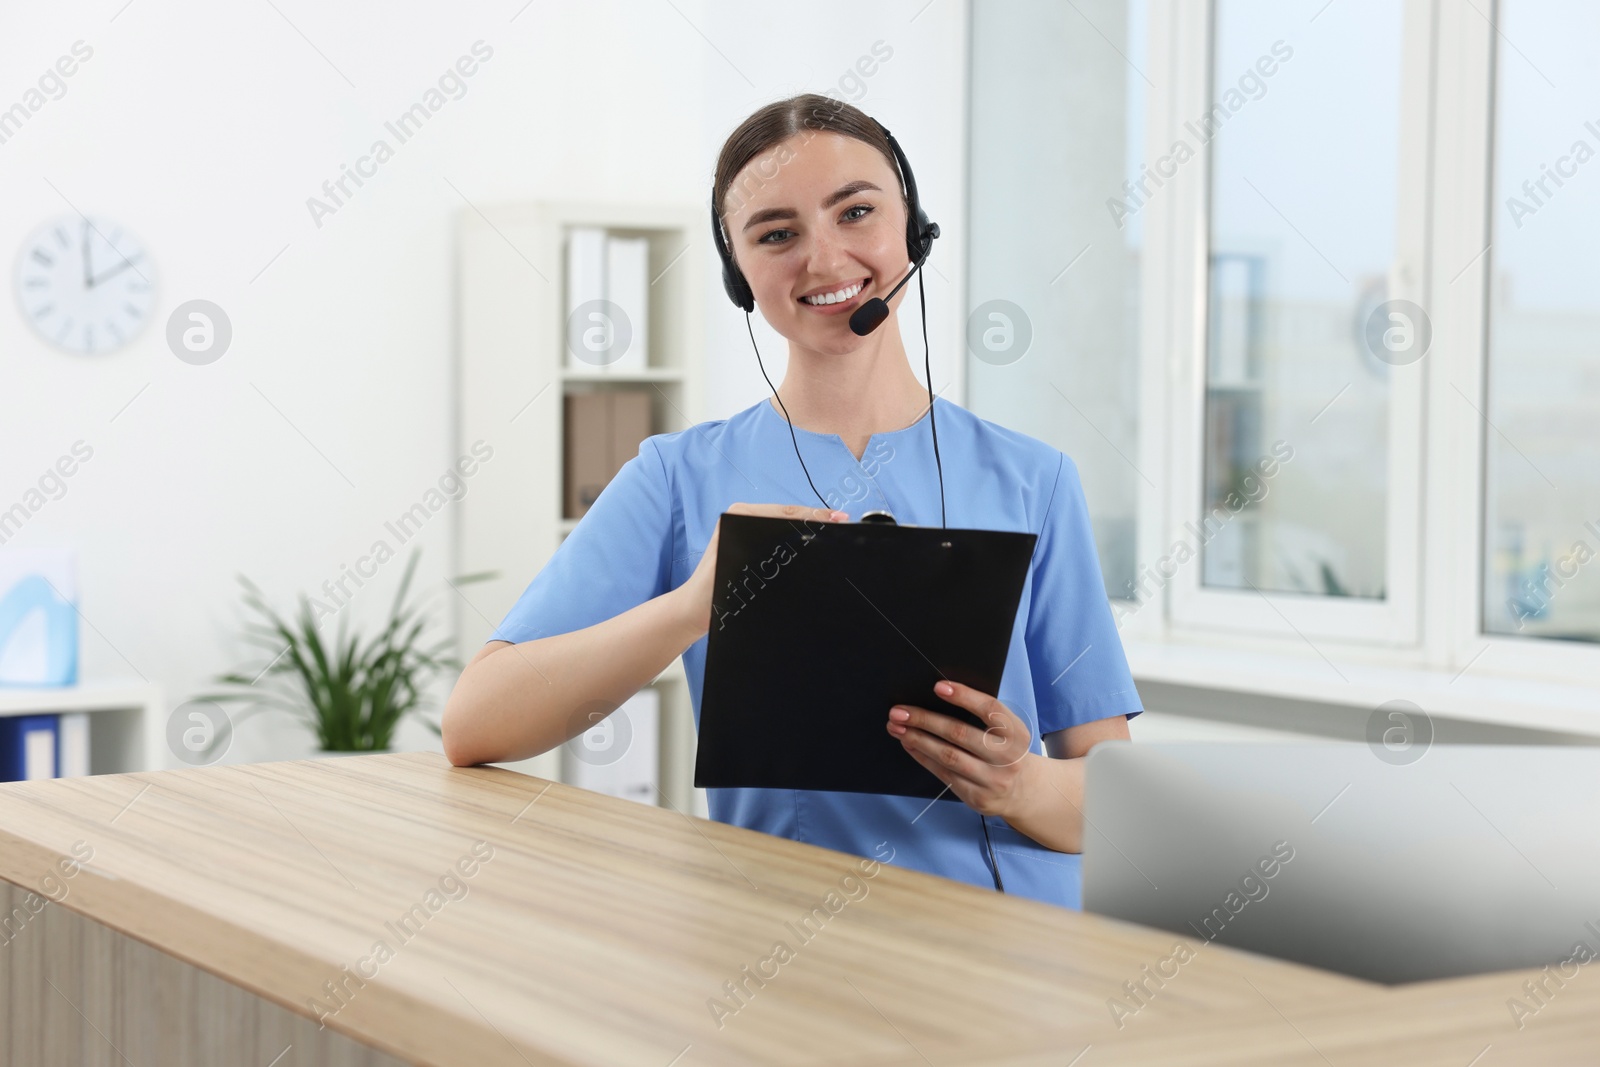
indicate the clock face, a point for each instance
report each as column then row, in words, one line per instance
column 85, row 285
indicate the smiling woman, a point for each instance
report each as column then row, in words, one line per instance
column 817, row 217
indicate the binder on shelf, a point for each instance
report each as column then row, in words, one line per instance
column 619, row 755
column 73, row 735
column 586, row 285
column 628, row 291
column 27, row 747
column 601, row 431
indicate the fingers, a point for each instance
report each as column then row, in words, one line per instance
column 1006, row 730
column 983, row 779
column 1004, row 742
column 790, row 511
column 781, row 511
column 984, row 768
column 904, row 717
column 979, row 703
column 975, row 795
column 951, row 759
column 957, row 784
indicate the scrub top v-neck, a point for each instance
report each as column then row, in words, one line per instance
column 878, row 446
column 646, row 531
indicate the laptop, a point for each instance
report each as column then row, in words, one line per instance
column 1472, row 859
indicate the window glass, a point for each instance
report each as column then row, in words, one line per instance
column 1304, row 131
column 1542, row 432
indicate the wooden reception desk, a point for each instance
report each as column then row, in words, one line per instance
column 430, row 914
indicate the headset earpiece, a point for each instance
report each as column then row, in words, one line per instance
column 733, row 280
column 920, row 230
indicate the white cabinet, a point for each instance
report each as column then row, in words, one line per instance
column 513, row 371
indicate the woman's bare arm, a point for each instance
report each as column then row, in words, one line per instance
column 1053, row 813
column 514, row 701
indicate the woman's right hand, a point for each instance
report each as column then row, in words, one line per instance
column 696, row 593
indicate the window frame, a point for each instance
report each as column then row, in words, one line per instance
column 1459, row 439
column 1192, row 605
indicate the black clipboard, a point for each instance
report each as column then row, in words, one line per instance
column 817, row 628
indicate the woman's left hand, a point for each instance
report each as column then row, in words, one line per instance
column 990, row 770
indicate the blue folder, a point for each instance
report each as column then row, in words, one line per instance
column 24, row 735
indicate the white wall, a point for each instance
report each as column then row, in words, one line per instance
column 204, row 128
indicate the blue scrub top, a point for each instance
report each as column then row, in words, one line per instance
column 645, row 533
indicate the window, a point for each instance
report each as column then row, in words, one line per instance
column 1300, row 252
column 1307, row 290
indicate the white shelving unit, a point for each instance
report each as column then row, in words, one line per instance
column 125, row 724
column 513, row 373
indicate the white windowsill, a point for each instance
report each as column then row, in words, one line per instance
column 1471, row 697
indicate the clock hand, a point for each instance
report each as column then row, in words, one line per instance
column 114, row 271
column 88, row 271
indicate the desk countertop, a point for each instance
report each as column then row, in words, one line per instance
column 550, row 925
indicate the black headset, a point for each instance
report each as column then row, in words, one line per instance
column 920, row 232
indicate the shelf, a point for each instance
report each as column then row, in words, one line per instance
column 86, row 696
column 127, row 731
column 511, row 344
column 648, row 374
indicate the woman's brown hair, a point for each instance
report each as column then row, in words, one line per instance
column 781, row 120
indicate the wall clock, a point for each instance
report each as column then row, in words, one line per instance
column 85, row 284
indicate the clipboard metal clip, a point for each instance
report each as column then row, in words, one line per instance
column 887, row 518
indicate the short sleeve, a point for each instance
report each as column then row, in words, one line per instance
column 617, row 557
column 1080, row 673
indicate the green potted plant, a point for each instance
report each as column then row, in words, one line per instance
column 352, row 693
